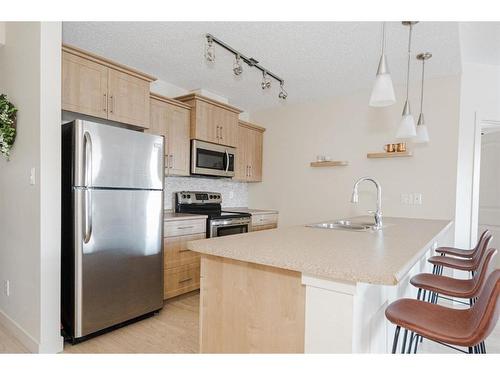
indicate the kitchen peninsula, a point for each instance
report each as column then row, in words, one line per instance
column 302, row 289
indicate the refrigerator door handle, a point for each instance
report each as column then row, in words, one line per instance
column 87, row 158
column 87, row 214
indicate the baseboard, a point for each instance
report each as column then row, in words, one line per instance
column 19, row 333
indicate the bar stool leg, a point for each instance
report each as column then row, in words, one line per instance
column 396, row 337
column 403, row 346
column 416, row 344
column 470, row 349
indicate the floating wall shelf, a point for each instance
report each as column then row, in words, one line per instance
column 379, row 155
column 333, row 163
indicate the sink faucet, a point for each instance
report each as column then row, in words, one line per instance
column 378, row 212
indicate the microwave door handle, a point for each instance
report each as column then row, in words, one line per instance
column 227, row 161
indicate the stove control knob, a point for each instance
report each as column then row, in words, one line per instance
column 189, row 196
column 183, row 195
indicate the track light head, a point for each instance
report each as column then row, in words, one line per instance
column 266, row 82
column 237, row 66
column 283, row 94
column 210, row 50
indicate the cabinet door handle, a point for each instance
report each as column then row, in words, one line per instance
column 184, row 250
column 105, row 103
column 186, row 227
column 218, row 132
column 185, row 280
column 250, row 168
column 172, row 160
column 112, row 104
column 221, row 136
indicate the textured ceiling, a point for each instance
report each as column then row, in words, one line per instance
column 480, row 42
column 316, row 59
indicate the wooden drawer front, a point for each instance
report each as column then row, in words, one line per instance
column 264, row 227
column 264, row 219
column 176, row 253
column 181, row 280
column 184, row 227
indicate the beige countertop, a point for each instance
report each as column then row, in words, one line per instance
column 254, row 211
column 376, row 257
column 172, row 216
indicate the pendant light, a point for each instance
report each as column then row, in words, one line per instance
column 422, row 133
column 383, row 90
column 407, row 125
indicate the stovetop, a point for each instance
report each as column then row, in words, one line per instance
column 204, row 203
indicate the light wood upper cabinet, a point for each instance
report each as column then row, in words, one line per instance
column 84, row 86
column 128, row 99
column 212, row 121
column 95, row 86
column 171, row 119
column 249, row 152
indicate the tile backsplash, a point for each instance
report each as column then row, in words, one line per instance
column 234, row 194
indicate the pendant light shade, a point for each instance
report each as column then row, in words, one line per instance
column 383, row 89
column 407, row 125
column 422, row 133
column 407, row 128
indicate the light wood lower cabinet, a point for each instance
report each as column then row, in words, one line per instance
column 181, row 266
column 95, row 86
column 170, row 118
column 264, row 221
column 249, row 151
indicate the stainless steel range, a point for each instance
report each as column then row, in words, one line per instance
column 219, row 223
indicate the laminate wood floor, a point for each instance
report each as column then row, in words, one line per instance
column 175, row 330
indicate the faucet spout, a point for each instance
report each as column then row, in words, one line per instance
column 355, row 199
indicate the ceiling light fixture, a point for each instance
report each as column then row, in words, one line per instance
column 266, row 82
column 283, row 94
column 422, row 133
column 238, row 66
column 406, row 128
column 383, row 89
column 210, row 50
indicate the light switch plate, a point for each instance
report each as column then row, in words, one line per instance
column 417, row 199
column 32, row 176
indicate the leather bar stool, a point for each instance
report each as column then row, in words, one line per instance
column 456, row 288
column 454, row 328
column 462, row 253
column 470, row 264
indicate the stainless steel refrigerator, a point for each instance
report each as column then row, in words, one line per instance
column 112, row 226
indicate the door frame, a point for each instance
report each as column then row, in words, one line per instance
column 481, row 122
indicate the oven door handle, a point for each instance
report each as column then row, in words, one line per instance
column 227, row 161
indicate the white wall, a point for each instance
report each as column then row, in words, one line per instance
column 346, row 128
column 479, row 94
column 30, row 214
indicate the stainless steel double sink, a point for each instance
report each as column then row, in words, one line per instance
column 343, row 225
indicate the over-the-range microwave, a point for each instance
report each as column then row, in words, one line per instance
column 211, row 159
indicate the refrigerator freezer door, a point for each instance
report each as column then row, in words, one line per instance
column 111, row 157
column 119, row 256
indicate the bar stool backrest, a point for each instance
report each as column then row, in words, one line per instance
column 483, row 270
column 481, row 248
column 486, row 310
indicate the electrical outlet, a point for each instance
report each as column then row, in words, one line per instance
column 6, row 287
column 417, row 199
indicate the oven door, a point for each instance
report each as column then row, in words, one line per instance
column 212, row 160
column 226, row 227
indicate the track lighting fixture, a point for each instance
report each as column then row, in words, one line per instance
column 283, row 94
column 210, row 50
column 266, row 82
column 238, row 64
